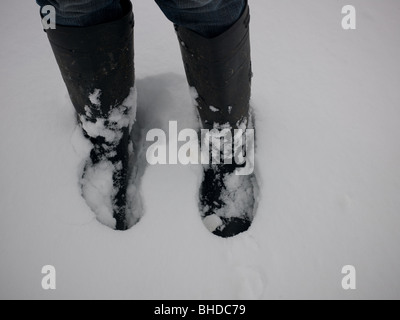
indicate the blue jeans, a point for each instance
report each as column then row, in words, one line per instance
column 206, row 17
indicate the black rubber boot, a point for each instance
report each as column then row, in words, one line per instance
column 220, row 71
column 97, row 65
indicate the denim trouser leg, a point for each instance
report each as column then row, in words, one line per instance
column 209, row 18
column 206, row 17
column 83, row 13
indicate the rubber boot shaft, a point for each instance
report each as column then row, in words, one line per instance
column 220, row 70
column 97, row 57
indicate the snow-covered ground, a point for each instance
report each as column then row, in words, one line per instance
column 327, row 103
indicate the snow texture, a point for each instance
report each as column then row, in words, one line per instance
column 110, row 127
column 97, row 182
column 213, row 222
column 214, row 109
column 327, row 119
column 238, row 196
column 95, row 98
column 98, row 191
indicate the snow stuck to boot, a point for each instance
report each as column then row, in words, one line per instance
column 228, row 200
column 108, row 170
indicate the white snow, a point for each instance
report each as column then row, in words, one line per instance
column 214, row 109
column 95, row 97
column 110, row 127
column 327, row 113
column 98, row 189
column 194, row 95
column 212, row 222
column 238, row 196
column 97, row 181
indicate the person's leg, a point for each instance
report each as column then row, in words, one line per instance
column 96, row 63
column 208, row 18
column 84, row 13
column 215, row 44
